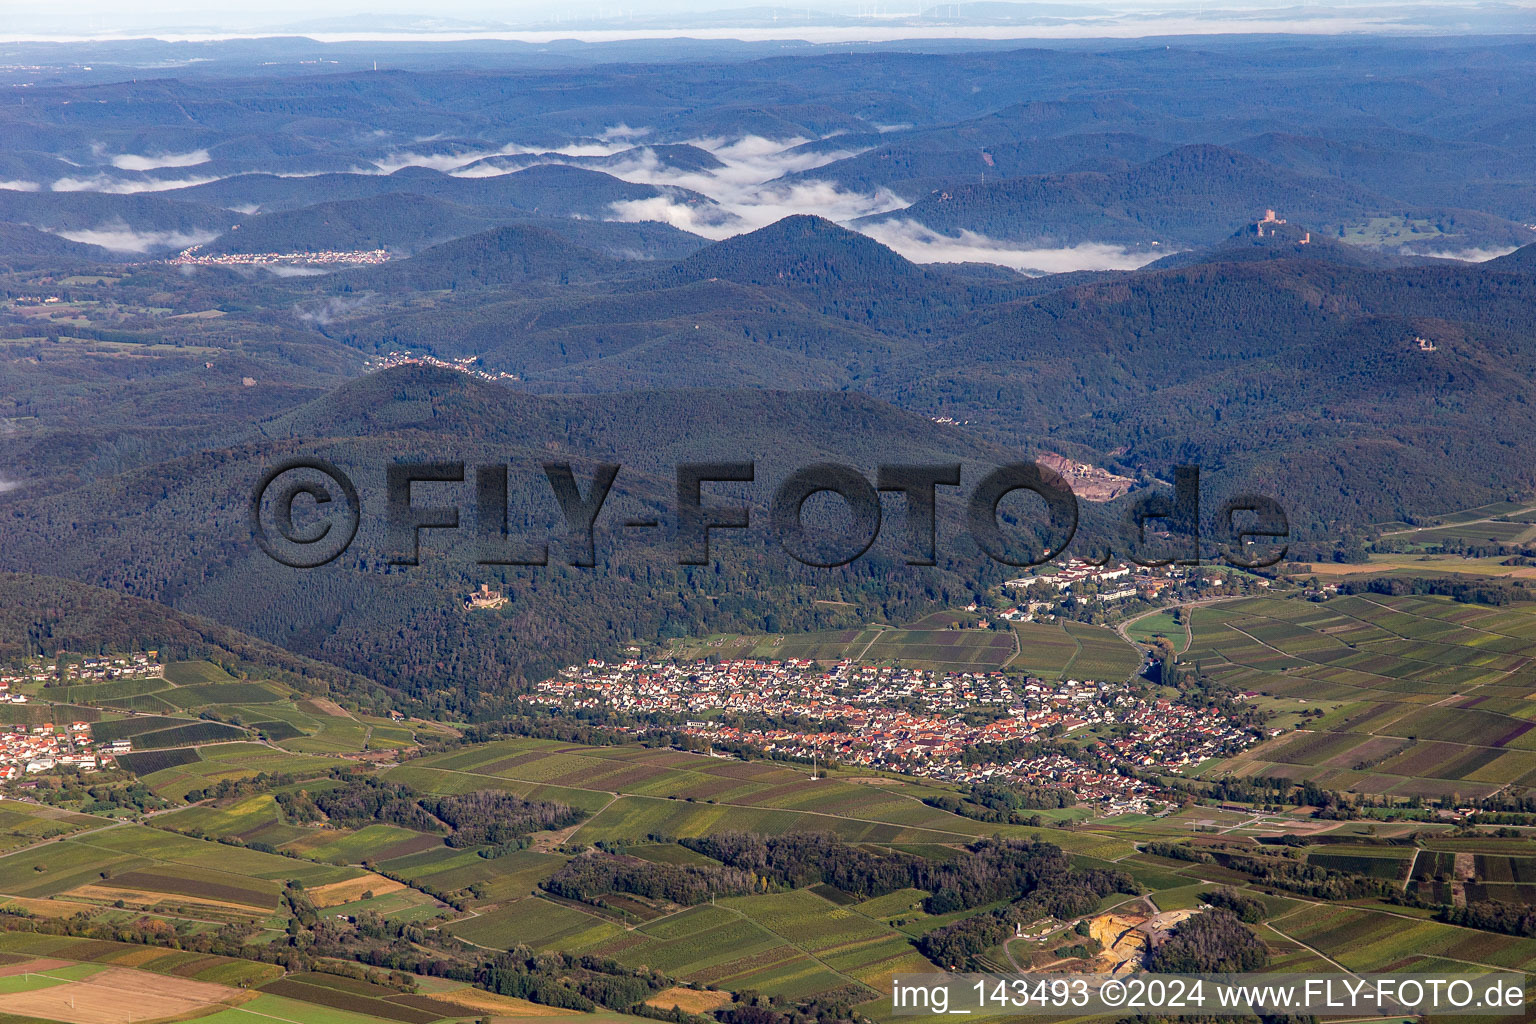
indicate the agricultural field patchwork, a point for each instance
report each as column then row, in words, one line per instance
column 1393, row 696
column 794, row 943
column 76, row 981
column 1396, row 696
column 1038, row 649
column 186, row 717
column 25, row 824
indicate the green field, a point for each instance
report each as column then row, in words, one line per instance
column 192, row 673
column 232, row 761
column 1361, row 940
column 1159, row 624
column 1389, row 230
column 1038, row 649
column 791, row 944
column 23, row 824
column 160, row 865
column 97, row 953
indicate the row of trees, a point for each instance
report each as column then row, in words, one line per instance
column 1492, row 916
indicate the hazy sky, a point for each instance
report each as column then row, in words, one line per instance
column 1057, row 18
column 85, row 14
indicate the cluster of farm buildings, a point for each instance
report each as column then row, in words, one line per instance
column 910, row 720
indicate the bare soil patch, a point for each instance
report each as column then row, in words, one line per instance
column 691, row 1000
column 337, row 893
column 142, row 899
column 330, row 707
column 118, row 995
column 454, row 1002
column 33, row 967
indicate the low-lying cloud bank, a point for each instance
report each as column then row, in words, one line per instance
column 755, row 209
column 1470, row 255
column 119, row 237
column 748, row 190
column 281, row 271
column 117, row 186
column 923, row 245
column 749, row 193
column 136, row 162
column 451, row 162
column 8, row 485
column 746, row 187
column 323, row 311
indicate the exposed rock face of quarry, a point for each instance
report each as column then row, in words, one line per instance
column 1090, row 483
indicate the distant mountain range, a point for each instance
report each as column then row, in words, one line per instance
column 552, row 190
column 804, row 303
column 1178, row 198
column 545, row 212
column 1037, row 148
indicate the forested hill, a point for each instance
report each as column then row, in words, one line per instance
column 1282, row 241
column 800, row 303
column 25, row 248
column 833, row 271
column 399, row 223
column 811, row 252
column 676, row 156
column 1521, row 260
column 993, row 148
column 1203, row 358
column 414, row 207
column 91, row 211
column 46, row 614
column 646, row 429
column 178, row 532
column 1178, row 197
column 1347, row 391
column 516, row 254
column 552, row 190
